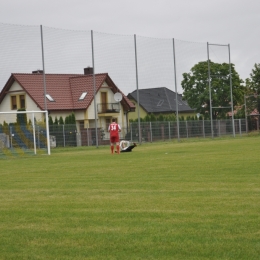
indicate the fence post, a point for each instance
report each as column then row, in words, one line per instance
column 210, row 100
column 246, row 114
column 43, row 70
column 34, row 139
column 219, row 128
column 231, row 92
column 87, row 136
column 240, row 127
column 63, row 133
column 11, row 137
column 176, row 92
column 137, row 93
column 94, row 86
column 39, row 146
column 187, row 129
column 203, row 125
column 151, row 133
column 176, row 125
column 169, row 124
column 131, row 135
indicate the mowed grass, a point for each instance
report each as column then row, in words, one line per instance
column 187, row 200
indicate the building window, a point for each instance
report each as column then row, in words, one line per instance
column 160, row 102
column 22, row 101
column 83, row 95
column 108, row 121
column 17, row 102
column 13, row 103
column 104, row 101
column 50, row 98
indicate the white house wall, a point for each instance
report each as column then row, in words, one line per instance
column 79, row 115
column 91, row 112
column 5, row 106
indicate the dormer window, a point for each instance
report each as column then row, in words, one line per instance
column 180, row 102
column 83, row 95
column 49, row 98
column 17, row 101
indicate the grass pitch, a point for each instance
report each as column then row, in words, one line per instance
column 188, row 200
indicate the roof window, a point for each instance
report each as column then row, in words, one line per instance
column 83, row 95
column 160, row 102
column 49, row 98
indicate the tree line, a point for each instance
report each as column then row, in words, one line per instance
column 69, row 120
column 246, row 93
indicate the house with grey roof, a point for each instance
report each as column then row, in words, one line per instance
column 159, row 101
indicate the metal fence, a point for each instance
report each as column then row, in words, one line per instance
column 21, row 136
column 68, row 135
column 160, row 131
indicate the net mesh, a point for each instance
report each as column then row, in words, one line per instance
column 131, row 61
column 25, row 135
column 20, row 50
column 66, row 51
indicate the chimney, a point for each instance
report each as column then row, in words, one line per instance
column 37, row 72
column 88, row 71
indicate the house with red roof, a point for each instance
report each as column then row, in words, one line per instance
column 66, row 94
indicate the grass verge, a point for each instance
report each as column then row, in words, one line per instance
column 188, row 200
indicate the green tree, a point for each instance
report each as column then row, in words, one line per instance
column 61, row 121
column 70, row 119
column 21, row 119
column 196, row 88
column 152, row 117
column 73, row 118
column 147, row 118
column 50, row 120
column 161, row 118
column 253, row 89
column 56, row 122
column 171, row 117
column 253, row 83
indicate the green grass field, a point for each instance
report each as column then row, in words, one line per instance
column 196, row 199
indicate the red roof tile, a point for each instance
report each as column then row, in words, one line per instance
column 65, row 89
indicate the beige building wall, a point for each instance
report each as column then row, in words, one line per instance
column 5, row 106
column 134, row 115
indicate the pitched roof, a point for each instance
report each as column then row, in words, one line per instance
column 254, row 113
column 65, row 89
column 160, row 100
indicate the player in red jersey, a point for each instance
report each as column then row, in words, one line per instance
column 114, row 130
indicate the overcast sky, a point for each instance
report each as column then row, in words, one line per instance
column 234, row 22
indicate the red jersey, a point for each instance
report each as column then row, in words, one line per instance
column 114, row 129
